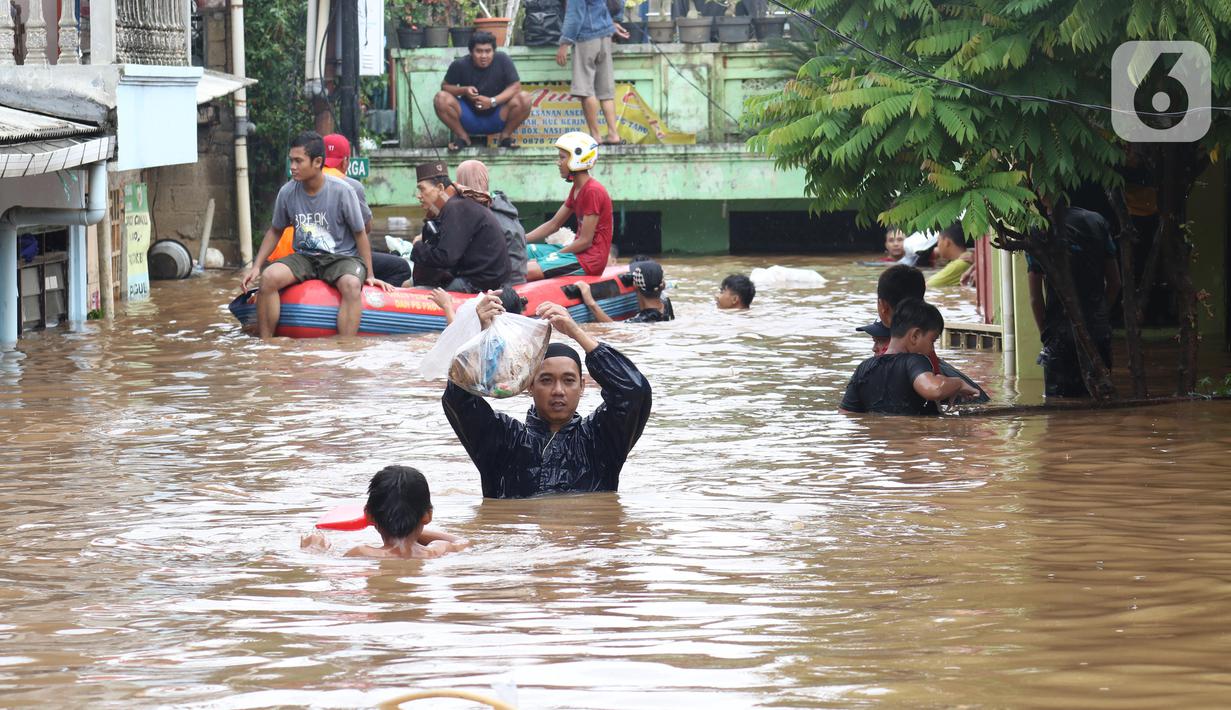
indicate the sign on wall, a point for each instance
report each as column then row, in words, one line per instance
column 371, row 37
column 137, row 240
column 358, row 168
column 556, row 111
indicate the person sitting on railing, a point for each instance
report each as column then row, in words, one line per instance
column 481, row 95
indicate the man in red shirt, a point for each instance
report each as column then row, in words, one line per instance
column 587, row 199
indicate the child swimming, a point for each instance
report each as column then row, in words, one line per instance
column 399, row 507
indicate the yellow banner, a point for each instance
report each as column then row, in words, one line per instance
column 556, row 112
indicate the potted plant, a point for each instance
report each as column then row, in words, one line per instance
column 732, row 28
column 435, row 29
column 498, row 26
column 693, row 28
column 767, row 26
column 461, row 15
column 660, row 27
column 410, row 25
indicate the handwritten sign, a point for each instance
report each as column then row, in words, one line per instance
column 137, row 240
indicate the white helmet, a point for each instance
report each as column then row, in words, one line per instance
column 582, row 150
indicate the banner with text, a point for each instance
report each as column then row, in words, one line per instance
column 137, row 240
column 556, row 112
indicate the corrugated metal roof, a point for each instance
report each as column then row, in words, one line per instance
column 215, row 84
column 20, row 126
column 53, row 154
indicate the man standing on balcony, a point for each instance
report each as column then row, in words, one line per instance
column 588, row 27
column 481, row 95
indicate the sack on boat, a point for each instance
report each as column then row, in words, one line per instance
column 500, row 361
column 786, row 277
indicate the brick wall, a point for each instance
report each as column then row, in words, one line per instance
column 179, row 193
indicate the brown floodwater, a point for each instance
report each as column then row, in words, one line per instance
column 763, row 551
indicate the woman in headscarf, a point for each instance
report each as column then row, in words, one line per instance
column 472, row 175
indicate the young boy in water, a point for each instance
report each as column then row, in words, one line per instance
column 901, row 381
column 512, row 302
column 893, row 245
column 399, row 506
column 880, row 336
column 652, row 305
column 735, row 293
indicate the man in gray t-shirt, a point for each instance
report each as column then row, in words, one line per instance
column 387, row 267
column 325, row 223
column 330, row 240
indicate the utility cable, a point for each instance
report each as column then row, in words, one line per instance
column 977, row 89
column 688, row 81
column 415, row 101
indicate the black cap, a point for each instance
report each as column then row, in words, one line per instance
column 562, row 350
column 875, row 329
column 647, row 277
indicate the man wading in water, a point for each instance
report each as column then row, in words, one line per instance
column 555, row 450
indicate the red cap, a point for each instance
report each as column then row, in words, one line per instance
column 337, row 150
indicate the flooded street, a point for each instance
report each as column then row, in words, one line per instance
column 763, row 551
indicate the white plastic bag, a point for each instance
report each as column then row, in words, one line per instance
column 500, row 361
column 562, row 237
column 399, row 246
column 786, row 277
column 465, row 326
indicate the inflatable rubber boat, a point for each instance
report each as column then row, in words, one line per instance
column 310, row 309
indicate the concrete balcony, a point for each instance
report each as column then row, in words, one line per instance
column 713, row 196
column 695, row 88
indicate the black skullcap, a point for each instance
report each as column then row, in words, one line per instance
column 562, row 350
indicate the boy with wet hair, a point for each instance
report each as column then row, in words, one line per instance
column 735, row 292
column 901, row 381
column 896, row 284
column 399, row 506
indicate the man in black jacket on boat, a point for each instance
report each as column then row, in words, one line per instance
column 555, row 450
column 469, row 254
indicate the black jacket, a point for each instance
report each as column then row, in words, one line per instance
column 517, row 460
column 471, row 245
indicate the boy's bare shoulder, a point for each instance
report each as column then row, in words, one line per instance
column 370, row 552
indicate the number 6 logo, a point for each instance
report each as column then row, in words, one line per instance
column 1167, row 78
